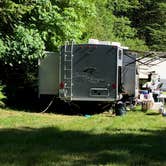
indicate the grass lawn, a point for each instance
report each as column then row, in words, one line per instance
column 164, row 93
column 135, row 139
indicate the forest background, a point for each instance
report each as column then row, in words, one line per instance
column 30, row 27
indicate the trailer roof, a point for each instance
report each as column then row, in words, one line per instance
column 148, row 58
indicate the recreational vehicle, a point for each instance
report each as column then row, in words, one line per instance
column 88, row 72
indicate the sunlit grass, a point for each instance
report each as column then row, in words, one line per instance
column 164, row 93
column 1, row 94
column 136, row 138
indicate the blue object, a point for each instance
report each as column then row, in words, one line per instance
column 87, row 116
column 143, row 92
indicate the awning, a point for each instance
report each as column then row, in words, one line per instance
column 149, row 58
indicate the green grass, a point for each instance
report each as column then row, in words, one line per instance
column 47, row 139
column 164, row 93
column 2, row 97
column 1, row 94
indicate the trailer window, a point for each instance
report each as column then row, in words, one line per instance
column 120, row 88
column 120, row 54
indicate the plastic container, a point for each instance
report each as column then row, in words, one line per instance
column 146, row 105
column 143, row 92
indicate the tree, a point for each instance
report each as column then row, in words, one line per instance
column 58, row 21
column 150, row 21
column 111, row 23
column 19, row 64
column 28, row 28
column 11, row 13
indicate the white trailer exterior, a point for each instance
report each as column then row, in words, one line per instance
column 49, row 74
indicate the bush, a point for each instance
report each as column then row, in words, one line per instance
column 19, row 64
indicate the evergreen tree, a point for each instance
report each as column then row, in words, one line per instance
column 150, row 21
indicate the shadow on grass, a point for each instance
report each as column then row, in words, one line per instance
column 51, row 146
column 52, row 104
column 153, row 113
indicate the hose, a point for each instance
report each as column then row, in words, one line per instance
column 49, row 105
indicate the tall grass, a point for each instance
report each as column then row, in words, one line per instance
column 47, row 139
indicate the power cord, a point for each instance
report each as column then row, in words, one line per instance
column 49, row 105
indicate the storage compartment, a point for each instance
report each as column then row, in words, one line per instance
column 99, row 92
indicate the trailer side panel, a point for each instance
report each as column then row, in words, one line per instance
column 49, row 74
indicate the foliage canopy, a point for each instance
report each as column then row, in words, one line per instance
column 29, row 27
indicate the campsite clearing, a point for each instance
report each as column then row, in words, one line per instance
column 136, row 138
